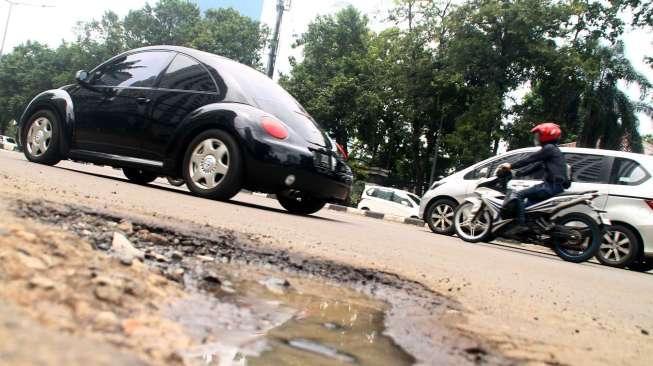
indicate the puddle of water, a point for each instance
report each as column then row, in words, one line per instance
column 266, row 323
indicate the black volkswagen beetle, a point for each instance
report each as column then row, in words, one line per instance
column 172, row 111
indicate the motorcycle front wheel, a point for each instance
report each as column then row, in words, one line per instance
column 471, row 229
column 586, row 241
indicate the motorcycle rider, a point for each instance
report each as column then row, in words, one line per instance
column 550, row 159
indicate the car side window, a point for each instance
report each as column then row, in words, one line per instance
column 400, row 200
column 184, row 73
column 587, row 168
column 133, row 70
column 478, row 173
column 383, row 194
column 628, row 172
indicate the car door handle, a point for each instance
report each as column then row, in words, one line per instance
column 143, row 100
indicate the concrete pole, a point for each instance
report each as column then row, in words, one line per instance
column 274, row 46
column 4, row 35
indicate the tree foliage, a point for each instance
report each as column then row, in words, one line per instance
column 445, row 70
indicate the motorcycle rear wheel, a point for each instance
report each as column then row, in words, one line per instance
column 586, row 247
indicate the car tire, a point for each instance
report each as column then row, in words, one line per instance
column 42, row 138
column 443, row 209
column 299, row 203
column 619, row 248
column 139, row 176
column 213, row 165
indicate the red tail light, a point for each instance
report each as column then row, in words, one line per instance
column 274, row 128
column 343, row 152
column 649, row 203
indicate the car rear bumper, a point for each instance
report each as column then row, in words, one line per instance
column 314, row 172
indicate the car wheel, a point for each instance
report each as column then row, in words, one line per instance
column 176, row 182
column 439, row 216
column 139, row 176
column 619, row 247
column 299, row 203
column 41, row 136
column 213, row 165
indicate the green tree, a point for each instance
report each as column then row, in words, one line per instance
column 175, row 22
column 228, row 33
column 329, row 80
column 23, row 73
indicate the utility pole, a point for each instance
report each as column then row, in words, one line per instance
column 274, row 45
column 435, row 152
column 11, row 6
column 437, row 145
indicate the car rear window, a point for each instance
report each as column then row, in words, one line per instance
column 628, row 172
column 272, row 98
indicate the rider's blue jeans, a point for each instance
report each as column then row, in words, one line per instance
column 533, row 195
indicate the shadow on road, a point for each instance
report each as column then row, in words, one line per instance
column 171, row 189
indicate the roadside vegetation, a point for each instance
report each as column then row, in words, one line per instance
column 440, row 79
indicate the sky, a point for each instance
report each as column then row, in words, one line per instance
column 251, row 8
column 52, row 25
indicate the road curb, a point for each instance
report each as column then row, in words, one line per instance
column 376, row 215
column 355, row 211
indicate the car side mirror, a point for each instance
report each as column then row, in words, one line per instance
column 81, row 76
column 483, row 172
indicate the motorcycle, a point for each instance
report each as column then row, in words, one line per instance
column 567, row 222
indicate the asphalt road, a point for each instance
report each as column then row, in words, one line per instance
column 528, row 303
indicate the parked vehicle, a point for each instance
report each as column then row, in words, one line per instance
column 562, row 222
column 183, row 113
column 8, row 143
column 623, row 180
column 390, row 201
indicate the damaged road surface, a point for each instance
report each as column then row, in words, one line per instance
column 72, row 278
column 199, row 296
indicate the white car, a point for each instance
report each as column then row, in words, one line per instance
column 8, row 143
column 624, row 179
column 390, row 201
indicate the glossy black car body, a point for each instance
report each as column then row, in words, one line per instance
column 141, row 109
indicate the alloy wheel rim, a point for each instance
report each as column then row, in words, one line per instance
column 615, row 245
column 468, row 229
column 442, row 216
column 39, row 136
column 209, row 163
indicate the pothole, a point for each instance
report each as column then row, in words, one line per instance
column 249, row 305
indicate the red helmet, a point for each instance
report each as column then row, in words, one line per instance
column 547, row 132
